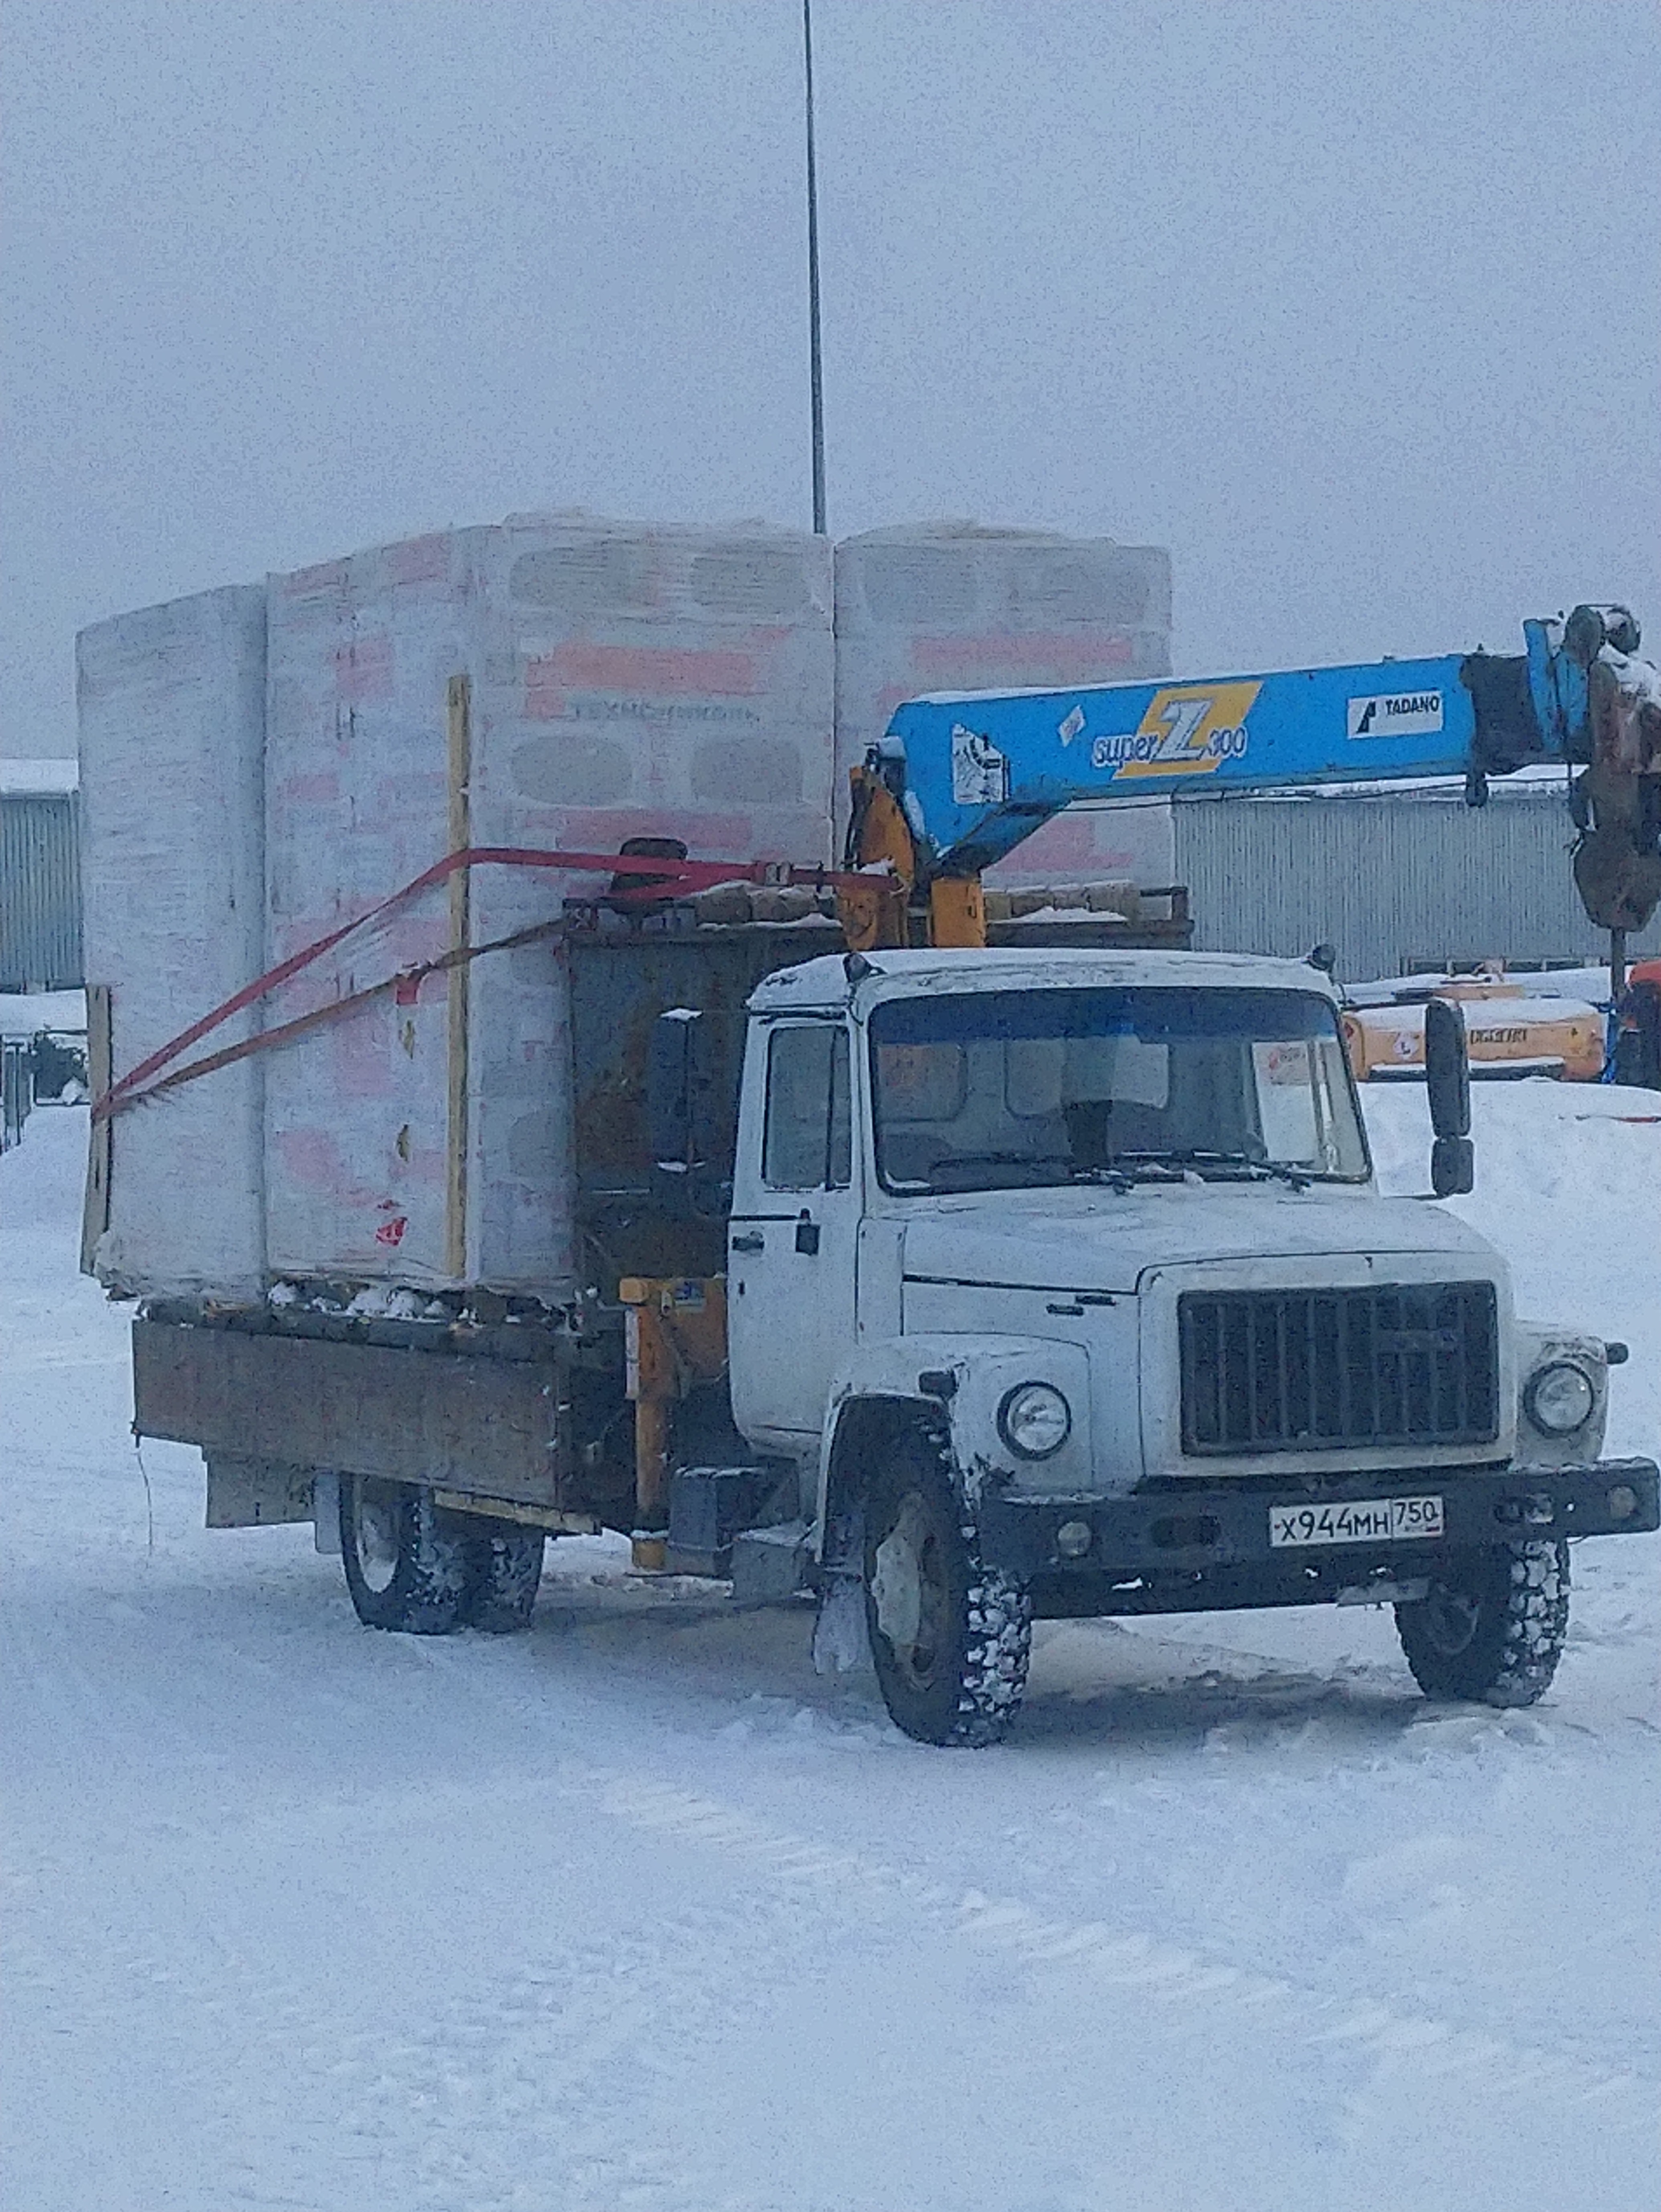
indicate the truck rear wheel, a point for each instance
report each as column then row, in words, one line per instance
column 407, row 1564
column 950, row 1641
column 1490, row 1630
column 505, row 1570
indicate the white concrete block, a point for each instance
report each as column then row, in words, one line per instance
column 172, row 701
column 951, row 607
column 624, row 682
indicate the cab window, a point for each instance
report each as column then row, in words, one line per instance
column 807, row 1133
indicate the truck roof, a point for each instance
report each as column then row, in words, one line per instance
column 823, row 983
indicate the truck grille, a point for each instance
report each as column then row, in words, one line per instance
column 1304, row 1370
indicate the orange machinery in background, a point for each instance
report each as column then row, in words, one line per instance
column 1511, row 1030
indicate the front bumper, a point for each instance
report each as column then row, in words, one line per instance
column 1198, row 1531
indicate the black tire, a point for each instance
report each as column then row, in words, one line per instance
column 409, row 1565
column 1492, row 1630
column 505, row 1570
column 950, row 1640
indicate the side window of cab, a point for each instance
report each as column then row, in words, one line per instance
column 807, row 1130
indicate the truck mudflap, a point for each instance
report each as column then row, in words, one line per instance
column 1227, row 1544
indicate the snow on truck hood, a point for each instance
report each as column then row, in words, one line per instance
column 1109, row 1244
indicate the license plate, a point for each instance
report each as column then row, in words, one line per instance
column 1356, row 1520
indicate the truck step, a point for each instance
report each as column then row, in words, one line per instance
column 708, row 1507
column 770, row 1565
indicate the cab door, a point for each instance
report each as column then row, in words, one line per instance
column 793, row 1234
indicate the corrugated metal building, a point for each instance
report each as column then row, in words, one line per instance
column 1396, row 880
column 40, row 877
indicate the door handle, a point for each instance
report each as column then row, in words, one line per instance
column 749, row 1241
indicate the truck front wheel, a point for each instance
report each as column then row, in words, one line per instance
column 1492, row 1629
column 950, row 1640
column 407, row 1566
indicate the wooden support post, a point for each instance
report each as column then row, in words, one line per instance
column 459, row 748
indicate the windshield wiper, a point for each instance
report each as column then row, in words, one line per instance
column 1238, row 1165
column 1128, row 1168
column 1045, row 1167
column 962, row 1171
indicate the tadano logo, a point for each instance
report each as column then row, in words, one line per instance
column 1395, row 714
column 1189, row 729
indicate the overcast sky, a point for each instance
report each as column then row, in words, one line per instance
column 1356, row 307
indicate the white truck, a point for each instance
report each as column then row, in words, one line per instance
column 965, row 1287
column 961, row 1274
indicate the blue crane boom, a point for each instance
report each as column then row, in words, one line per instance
column 973, row 774
column 985, row 769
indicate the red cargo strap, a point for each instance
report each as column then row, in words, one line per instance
column 668, row 877
column 406, row 988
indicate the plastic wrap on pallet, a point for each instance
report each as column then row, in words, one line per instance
column 1133, row 843
column 954, row 607
column 356, row 782
column 171, row 713
column 623, row 682
column 628, row 682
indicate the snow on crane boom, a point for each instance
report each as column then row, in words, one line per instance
column 959, row 780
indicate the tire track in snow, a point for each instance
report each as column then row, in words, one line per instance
column 1120, row 1958
column 510, row 2089
column 1109, row 1955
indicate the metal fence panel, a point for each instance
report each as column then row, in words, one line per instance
column 1395, row 882
column 17, row 1090
column 39, row 892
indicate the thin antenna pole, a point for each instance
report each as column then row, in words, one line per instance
column 816, row 366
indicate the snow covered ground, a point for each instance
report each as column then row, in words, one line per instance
column 635, row 1911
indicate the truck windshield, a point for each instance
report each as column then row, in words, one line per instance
column 1010, row 1090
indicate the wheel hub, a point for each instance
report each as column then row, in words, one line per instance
column 1450, row 1616
column 376, row 1536
column 907, row 1590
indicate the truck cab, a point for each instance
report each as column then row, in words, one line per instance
column 1063, row 1282
column 964, row 1141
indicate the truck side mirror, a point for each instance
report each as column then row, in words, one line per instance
column 682, row 1122
column 677, row 1114
column 1638, row 1040
column 1447, row 1084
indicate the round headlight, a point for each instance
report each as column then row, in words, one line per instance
column 1558, row 1398
column 1035, row 1419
